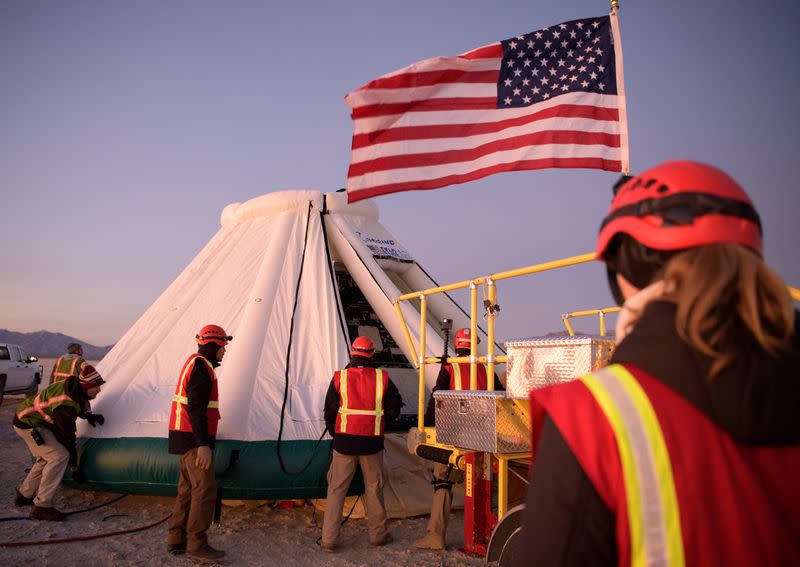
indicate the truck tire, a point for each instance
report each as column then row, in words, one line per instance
column 34, row 388
column 2, row 387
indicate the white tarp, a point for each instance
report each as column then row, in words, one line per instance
column 246, row 280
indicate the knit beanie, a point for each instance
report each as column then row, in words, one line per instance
column 90, row 377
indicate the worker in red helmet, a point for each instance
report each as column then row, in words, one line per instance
column 679, row 452
column 359, row 401
column 193, row 423
column 455, row 376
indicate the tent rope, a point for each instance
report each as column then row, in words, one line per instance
column 339, row 308
column 288, row 358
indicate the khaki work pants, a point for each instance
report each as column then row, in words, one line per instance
column 194, row 506
column 343, row 467
column 48, row 468
column 442, row 499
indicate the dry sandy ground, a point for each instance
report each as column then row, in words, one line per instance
column 252, row 533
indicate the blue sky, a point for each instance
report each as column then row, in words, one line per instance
column 126, row 127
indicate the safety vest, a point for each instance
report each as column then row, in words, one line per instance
column 681, row 490
column 67, row 365
column 38, row 410
column 459, row 376
column 360, row 400
column 179, row 413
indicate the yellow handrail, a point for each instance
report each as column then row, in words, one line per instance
column 491, row 293
column 490, row 359
column 601, row 312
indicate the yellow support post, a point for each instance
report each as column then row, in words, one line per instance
column 502, row 479
column 473, row 336
column 492, row 296
column 423, row 313
column 502, row 486
column 565, row 317
column 602, row 323
column 406, row 332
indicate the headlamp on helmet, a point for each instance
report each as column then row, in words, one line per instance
column 213, row 334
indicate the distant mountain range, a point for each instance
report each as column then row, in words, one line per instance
column 45, row 344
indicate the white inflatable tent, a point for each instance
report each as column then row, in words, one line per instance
column 293, row 276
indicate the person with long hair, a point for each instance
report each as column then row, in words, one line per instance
column 685, row 450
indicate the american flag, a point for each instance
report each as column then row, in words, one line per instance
column 550, row 98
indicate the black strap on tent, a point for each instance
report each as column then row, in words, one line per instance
column 331, row 270
column 288, row 358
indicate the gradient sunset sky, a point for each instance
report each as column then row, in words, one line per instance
column 126, row 127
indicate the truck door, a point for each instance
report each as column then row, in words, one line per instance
column 16, row 371
column 28, row 368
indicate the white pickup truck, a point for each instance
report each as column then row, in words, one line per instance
column 19, row 373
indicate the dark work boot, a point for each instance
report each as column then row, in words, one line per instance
column 205, row 555
column 387, row 538
column 20, row 500
column 176, row 548
column 48, row 514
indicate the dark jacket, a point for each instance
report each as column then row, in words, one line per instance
column 360, row 444
column 64, row 418
column 756, row 400
column 198, row 391
column 443, row 383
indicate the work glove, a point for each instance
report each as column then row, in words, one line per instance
column 95, row 419
column 78, row 475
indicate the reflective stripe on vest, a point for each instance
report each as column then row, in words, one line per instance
column 345, row 410
column 457, row 381
column 59, row 376
column 184, row 400
column 181, row 401
column 653, row 513
column 39, row 407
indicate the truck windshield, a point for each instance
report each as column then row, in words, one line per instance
column 4, row 354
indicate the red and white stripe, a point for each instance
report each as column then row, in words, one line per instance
column 39, row 407
column 435, row 123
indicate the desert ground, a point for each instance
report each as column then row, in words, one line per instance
column 251, row 532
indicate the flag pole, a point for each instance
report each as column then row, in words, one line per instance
column 623, row 110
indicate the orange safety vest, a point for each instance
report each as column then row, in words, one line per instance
column 360, row 400
column 38, row 410
column 179, row 414
column 67, row 365
column 459, row 376
column 682, row 491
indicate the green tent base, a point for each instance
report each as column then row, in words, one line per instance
column 246, row 470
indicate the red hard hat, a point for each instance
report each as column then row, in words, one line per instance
column 362, row 346
column 463, row 338
column 213, row 334
column 681, row 204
